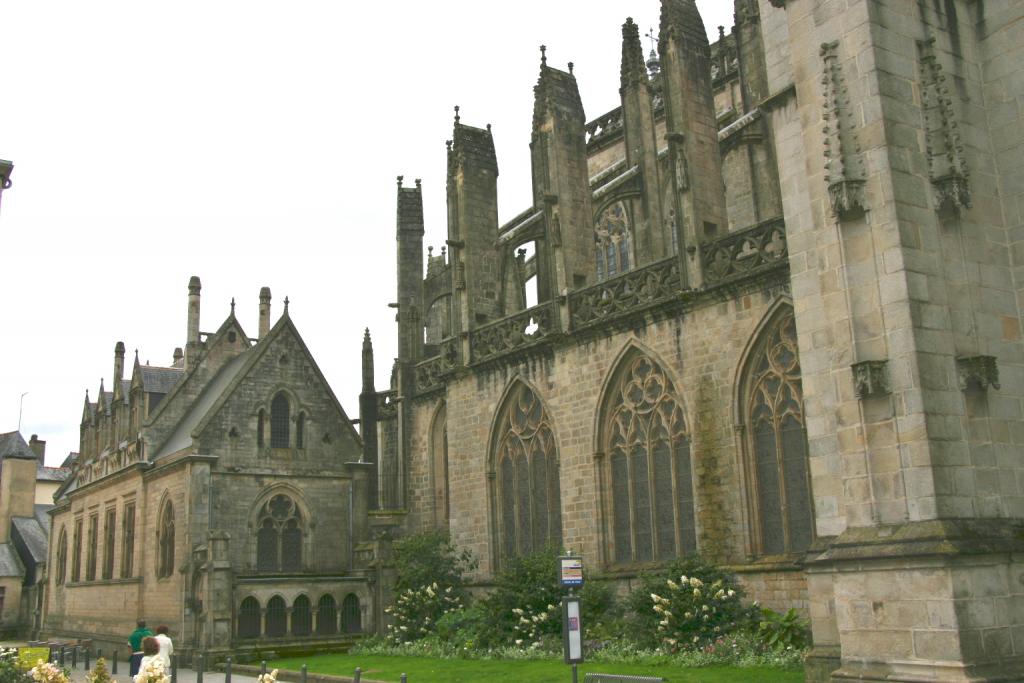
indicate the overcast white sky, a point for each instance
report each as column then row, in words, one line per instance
column 250, row 143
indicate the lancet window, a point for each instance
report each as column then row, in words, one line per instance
column 279, row 536
column 783, row 520
column 165, row 542
column 526, row 463
column 650, row 492
column 62, row 557
column 280, row 421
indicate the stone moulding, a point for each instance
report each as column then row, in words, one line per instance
column 513, row 333
column 630, row 291
column 430, row 373
column 844, row 166
column 871, row 378
column 977, row 371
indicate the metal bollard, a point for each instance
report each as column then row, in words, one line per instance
column 302, row 674
column 74, row 656
column 263, row 667
column 99, row 655
column 227, row 670
column 174, row 668
column 63, row 654
column 404, row 679
column 199, row 668
column 88, row 652
column 358, row 676
column 113, row 667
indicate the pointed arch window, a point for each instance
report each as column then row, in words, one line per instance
column 302, row 617
column 651, row 503
column 261, row 420
column 249, row 618
column 280, row 421
column 76, row 552
column 165, row 542
column 62, row 557
column 279, row 536
column 612, row 241
column 326, row 615
column 277, row 617
column 351, row 614
column 783, row 520
column 439, row 467
column 526, row 463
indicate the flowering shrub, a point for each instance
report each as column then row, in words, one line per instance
column 10, row 671
column 531, row 627
column 267, row 677
column 416, row 612
column 690, row 607
column 47, row 672
column 153, row 673
column 100, row 673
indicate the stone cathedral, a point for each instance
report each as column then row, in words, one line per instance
column 767, row 310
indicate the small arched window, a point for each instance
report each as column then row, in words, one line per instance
column 165, row 542
column 62, row 556
column 261, row 421
column 326, row 616
column 300, row 431
column 612, row 242
column 302, row 617
column 277, row 617
column 280, row 421
column 249, row 618
column 351, row 614
column 279, row 536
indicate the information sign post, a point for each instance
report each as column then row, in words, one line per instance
column 570, row 575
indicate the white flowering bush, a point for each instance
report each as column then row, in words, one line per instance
column 532, row 625
column 47, row 672
column 416, row 612
column 153, row 673
column 270, row 677
column 690, row 606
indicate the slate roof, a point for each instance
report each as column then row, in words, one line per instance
column 12, row 445
column 181, row 437
column 52, row 473
column 42, row 515
column 32, row 535
column 159, row 380
column 9, row 564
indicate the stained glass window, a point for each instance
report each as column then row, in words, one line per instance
column 279, row 536
column 128, row 541
column 109, row 538
column 90, row 557
column 529, row 500
column 778, row 442
column 648, row 446
column 280, row 419
column 611, row 233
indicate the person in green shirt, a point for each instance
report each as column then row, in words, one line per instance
column 135, row 642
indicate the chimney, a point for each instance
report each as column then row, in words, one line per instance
column 17, row 490
column 192, row 337
column 179, row 357
column 264, row 312
column 39, row 448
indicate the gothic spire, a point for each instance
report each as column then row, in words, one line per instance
column 633, row 69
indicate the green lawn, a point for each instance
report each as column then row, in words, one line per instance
column 431, row 670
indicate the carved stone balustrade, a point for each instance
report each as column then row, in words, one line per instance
column 745, row 252
column 626, row 293
column 513, row 333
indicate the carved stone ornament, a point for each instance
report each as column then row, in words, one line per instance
column 871, row 378
column 977, row 371
column 844, row 165
column 947, row 164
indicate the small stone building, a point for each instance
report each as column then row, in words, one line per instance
column 27, row 486
column 220, row 495
column 767, row 310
